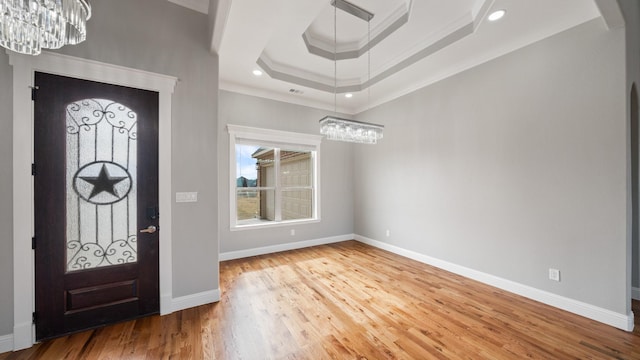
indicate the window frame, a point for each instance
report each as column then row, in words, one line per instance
column 278, row 140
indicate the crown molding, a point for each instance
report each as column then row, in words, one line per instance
column 611, row 13
column 218, row 22
column 196, row 5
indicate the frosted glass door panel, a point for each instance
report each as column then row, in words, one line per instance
column 101, row 184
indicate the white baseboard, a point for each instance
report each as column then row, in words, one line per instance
column 166, row 304
column 231, row 255
column 620, row 321
column 635, row 293
column 6, row 343
column 23, row 336
column 193, row 300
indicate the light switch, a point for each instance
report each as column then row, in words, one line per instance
column 186, row 197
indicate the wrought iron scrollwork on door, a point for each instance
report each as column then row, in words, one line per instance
column 101, row 184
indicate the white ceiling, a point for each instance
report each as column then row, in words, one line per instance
column 414, row 43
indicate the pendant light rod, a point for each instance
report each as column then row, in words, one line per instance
column 335, row 59
column 368, row 64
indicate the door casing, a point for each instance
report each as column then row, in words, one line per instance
column 24, row 68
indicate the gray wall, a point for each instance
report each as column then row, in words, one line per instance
column 336, row 170
column 6, row 196
column 165, row 38
column 511, row 168
column 631, row 12
column 160, row 37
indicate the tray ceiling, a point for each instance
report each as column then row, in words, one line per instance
column 413, row 44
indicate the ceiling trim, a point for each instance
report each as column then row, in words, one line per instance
column 480, row 12
column 218, row 22
column 611, row 13
column 268, row 67
column 197, row 5
column 285, row 97
column 449, row 39
column 303, row 78
column 354, row 50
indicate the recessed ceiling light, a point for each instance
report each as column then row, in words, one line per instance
column 257, row 72
column 348, row 95
column 496, row 15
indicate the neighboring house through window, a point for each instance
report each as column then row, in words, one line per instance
column 274, row 177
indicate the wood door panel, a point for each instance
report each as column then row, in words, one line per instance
column 113, row 313
column 85, row 278
column 101, row 295
column 91, row 288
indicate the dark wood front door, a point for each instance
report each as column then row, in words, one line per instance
column 95, row 188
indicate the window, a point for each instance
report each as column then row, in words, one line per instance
column 274, row 177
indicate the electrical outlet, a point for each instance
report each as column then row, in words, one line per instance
column 293, row 232
column 554, row 274
column 388, row 233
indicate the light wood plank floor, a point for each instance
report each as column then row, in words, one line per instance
column 349, row 301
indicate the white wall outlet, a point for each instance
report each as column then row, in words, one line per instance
column 388, row 233
column 554, row 274
column 186, row 197
column 293, row 232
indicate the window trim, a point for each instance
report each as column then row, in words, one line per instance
column 282, row 139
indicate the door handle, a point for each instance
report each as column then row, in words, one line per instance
column 150, row 229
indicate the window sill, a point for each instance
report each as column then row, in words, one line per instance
column 263, row 224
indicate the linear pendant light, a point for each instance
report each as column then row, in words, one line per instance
column 339, row 129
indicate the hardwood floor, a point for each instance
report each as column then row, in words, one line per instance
column 350, row 301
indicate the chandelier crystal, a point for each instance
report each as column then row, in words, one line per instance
column 28, row 26
column 339, row 129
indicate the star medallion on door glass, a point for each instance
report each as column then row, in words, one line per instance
column 102, row 182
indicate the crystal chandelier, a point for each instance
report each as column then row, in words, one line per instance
column 335, row 128
column 27, row 26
